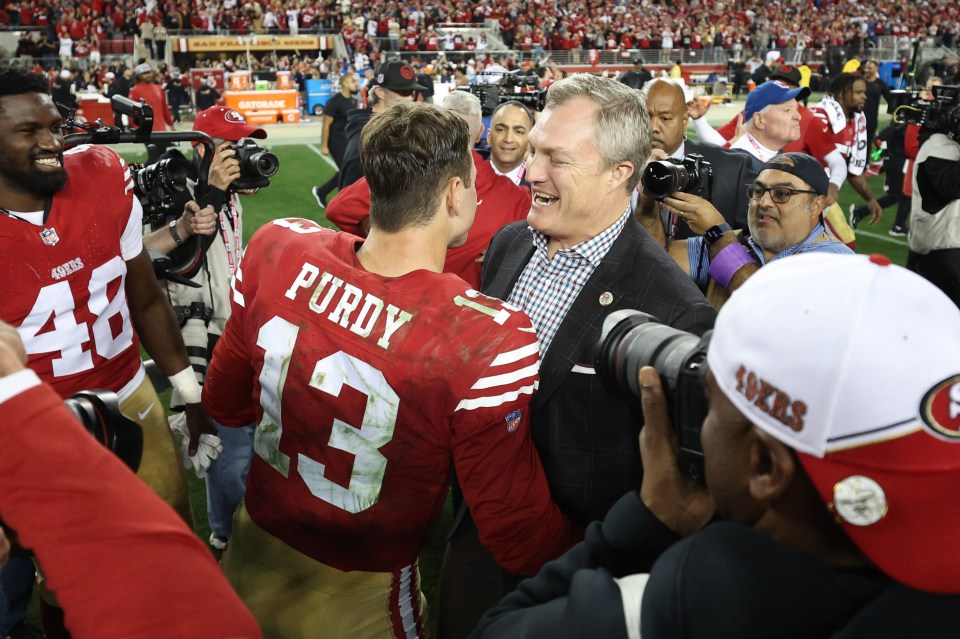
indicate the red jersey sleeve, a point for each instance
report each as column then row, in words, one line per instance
column 819, row 138
column 350, row 206
column 113, row 536
column 729, row 129
column 500, row 473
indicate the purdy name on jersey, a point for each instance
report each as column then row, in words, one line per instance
column 366, row 387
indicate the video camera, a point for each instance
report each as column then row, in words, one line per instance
column 524, row 89
column 631, row 340
column 99, row 413
column 692, row 174
column 162, row 189
column 938, row 112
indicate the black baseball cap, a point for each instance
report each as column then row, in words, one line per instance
column 396, row 75
column 803, row 166
column 787, row 73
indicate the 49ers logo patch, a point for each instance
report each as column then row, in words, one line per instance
column 233, row 117
column 940, row 409
column 406, row 72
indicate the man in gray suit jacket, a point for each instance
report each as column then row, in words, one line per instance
column 579, row 256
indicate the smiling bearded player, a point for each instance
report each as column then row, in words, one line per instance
column 77, row 284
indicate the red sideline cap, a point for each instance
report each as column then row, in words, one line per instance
column 855, row 364
column 226, row 124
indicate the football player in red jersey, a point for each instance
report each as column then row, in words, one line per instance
column 371, row 376
column 838, row 138
column 76, row 282
column 112, row 536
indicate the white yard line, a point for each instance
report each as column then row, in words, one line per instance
column 326, row 158
column 900, row 241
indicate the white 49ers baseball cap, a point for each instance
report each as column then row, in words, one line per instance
column 855, row 364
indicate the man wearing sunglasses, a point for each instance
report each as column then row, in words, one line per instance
column 783, row 217
column 395, row 81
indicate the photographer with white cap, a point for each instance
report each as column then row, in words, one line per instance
column 836, row 482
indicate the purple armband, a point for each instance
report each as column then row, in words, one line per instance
column 727, row 262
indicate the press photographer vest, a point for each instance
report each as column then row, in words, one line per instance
column 940, row 230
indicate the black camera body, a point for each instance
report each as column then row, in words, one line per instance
column 631, row 340
column 511, row 87
column 692, row 175
column 938, row 112
column 161, row 188
column 257, row 166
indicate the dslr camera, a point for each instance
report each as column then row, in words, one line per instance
column 257, row 166
column 938, row 112
column 631, row 340
column 692, row 175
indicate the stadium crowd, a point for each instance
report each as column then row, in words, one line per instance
column 524, row 25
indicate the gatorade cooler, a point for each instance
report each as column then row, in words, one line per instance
column 240, row 81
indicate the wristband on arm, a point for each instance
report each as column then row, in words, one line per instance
column 185, row 382
column 727, row 262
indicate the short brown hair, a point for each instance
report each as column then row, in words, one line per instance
column 410, row 152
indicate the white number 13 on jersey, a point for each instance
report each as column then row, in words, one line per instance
column 277, row 338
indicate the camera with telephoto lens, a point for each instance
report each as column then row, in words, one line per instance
column 631, row 340
column 692, row 175
column 938, row 112
column 257, row 165
column 162, row 188
column 99, row 413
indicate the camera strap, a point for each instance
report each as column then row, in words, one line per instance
column 229, row 215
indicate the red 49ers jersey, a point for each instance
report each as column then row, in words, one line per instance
column 62, row 283
column 366, row 390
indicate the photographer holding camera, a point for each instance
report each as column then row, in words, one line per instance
column 731, row 170
column 77, row 282
column 116, row 549
column 203, row 310
column 784, row 218
column 835, row 496
column 934, row 234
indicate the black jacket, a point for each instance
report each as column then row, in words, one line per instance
column 351, row 169
column 728, row 580
column 585, row 434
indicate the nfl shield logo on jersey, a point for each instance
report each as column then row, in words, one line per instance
column 513, row 421
column 49, row 236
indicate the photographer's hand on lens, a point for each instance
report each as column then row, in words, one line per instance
column 698, row 213
column 675, row 499
column 225, row 167
column 12, row 354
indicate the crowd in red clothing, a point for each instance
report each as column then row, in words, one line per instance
column 523, row 24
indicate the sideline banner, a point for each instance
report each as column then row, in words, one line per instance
column 262, row 42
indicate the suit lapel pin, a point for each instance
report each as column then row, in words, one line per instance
column 606, row 298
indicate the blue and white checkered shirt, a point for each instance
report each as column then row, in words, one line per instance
column 547, row 288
